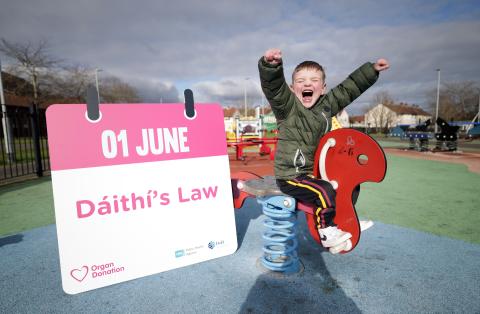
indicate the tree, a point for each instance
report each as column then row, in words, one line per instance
column 464, row 95
column 458, row 100
column 382, row 97
column 70, row 84
column 114, row 90
column 32, row 60
column 51, row 83
column 380, row 117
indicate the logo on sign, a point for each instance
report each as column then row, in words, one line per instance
column 213, row 244
column 79, row 274
column 179, row 253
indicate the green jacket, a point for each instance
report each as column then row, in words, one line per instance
column 300, row 128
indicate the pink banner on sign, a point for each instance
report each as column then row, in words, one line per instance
column 132, row 133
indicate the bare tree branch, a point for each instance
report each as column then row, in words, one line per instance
column 458, row 100
column 32, row 59
column 114, row 90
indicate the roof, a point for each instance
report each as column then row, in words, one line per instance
column 19, row 93
column 17, row 90
column 403, row 108
column 15, row 100
column 357, row 119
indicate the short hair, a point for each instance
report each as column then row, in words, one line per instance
column 311, row 65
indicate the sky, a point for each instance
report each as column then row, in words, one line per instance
column 212, row 47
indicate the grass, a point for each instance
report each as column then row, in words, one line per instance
column 396, row 142
column 26, row 205
column 24, row 151
column 436, row 197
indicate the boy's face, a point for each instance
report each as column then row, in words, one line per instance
column 308, row 86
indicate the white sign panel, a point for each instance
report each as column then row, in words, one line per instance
column 141, row 191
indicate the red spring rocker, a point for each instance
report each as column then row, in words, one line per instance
column 344, row 157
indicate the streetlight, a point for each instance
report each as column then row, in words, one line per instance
column 264, row 101
column 438, row 99
column 262, row 97
column 96, row 82
column 245, row 94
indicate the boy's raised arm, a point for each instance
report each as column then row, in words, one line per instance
column 353, row 86
column 273, row 83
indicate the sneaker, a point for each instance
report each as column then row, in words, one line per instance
column 344, row 246
column 365, row 224
column 332, row 236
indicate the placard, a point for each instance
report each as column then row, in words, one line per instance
column 142, row 190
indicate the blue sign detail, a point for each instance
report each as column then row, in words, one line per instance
column 179, row 253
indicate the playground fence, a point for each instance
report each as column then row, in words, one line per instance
column 23, row 142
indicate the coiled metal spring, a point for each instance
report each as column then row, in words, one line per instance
column 280, row 237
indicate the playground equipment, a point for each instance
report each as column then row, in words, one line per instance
column 280, row 236
column 346, row 158
column 419, row 136
column 248, row 128
column 474, row 132
column 399, row 131
column 473, row 128
column 249, row 133
column 447, row 138
column 262, row 143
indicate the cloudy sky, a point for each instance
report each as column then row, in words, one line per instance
column 212, row 47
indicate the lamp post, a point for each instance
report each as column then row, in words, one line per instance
column 262, row 98
column 245, row 94
column 96, row 82
column 2, row 98
column 438, row 100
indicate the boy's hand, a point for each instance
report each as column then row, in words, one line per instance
column 273, row 56
column 381, row 65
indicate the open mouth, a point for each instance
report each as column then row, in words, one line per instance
column 307, row 95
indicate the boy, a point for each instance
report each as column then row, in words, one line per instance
column 303, row 111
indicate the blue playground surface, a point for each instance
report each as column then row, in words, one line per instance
column 392, row 270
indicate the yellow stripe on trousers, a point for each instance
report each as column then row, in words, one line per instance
column 311, row 189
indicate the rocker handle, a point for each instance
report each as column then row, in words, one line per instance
column 323, row 155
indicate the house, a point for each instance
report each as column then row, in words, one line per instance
column 18, row 93
column 16, row 90
column 343, row 118
column 357, row 122
column 391, row 115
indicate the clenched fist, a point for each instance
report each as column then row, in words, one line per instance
column 273, row 56
column 381, row 64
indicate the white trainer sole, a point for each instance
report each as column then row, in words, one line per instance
column 365, row 224
column 344, row 246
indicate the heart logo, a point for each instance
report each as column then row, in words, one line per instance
column 79, row 274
